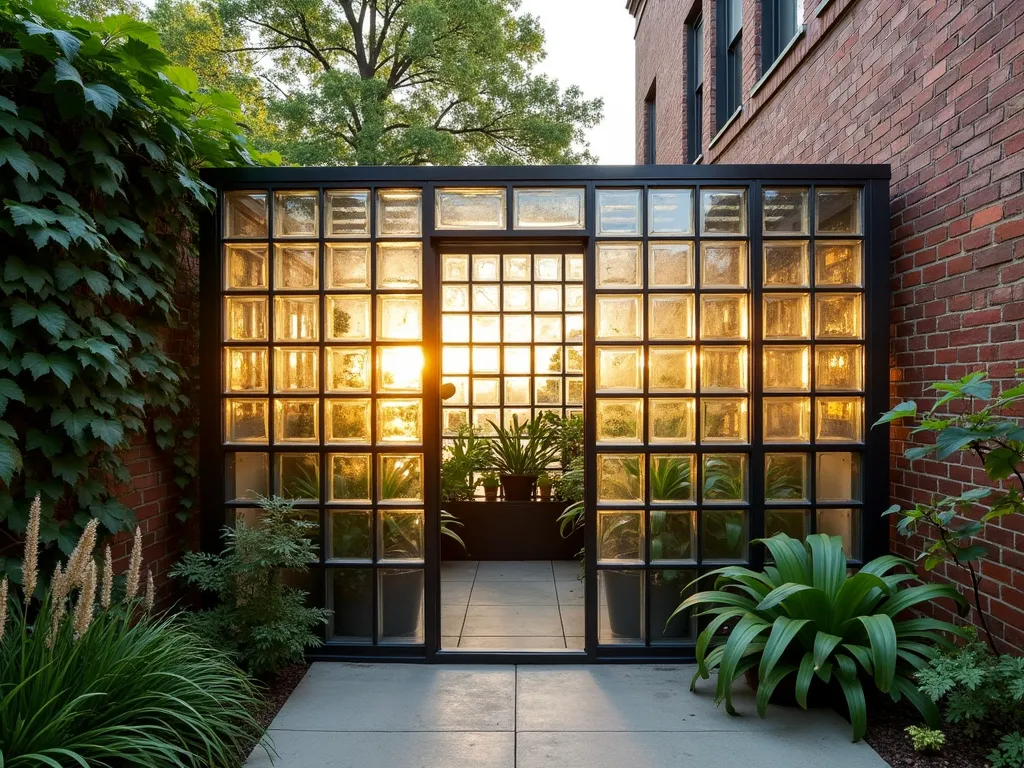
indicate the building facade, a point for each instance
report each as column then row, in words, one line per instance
column 935, row 88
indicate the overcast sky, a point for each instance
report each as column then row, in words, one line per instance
column 590, row 44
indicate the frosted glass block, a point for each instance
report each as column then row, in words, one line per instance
column 672, row 369
column 248, row 476
column 349, row 481
column 486, row 359
column 723, row 369
column 672, row 420
column 518, row 328
column 401, row 478
column 787, row 419
column 399, row 369
column 618, row 265
column 399, row 212
column 547, row 267
column 350, row 539
column 454, row 359
column 296, row 421
column 245, row 369
column 619, row 318
column 455, row 298
column 487, row 391
column 574, row 359
column 486, row 298
column 399, row 266
column 670, row 265
column 547, row 298
column 787, row 316
column 618, row 211
column 844, row 523
column 795, row 523
column 517, row 298
column 401, row 536
column 574, row 267
column 455, row 329
column 838, row 211
column 620, row 478
column 547, row 360
column 785, row 211
column 400, row 421
column 673, row 479
column 484, row 420
column 348, row 318
column 723, row 535
column 620, row 420
column 347, row 421
column 348, row 213
column 723, row 316
column 839, row 367
column 486, row 329
column 461, row 394
column 470, row 208
column 574, row 327
column 723, row 212
column 297, row 476
column 620, row 533
column 670, row 211
column 547, row 390
column 348, row 369
column 624, row 589
column 786, row 264
column 296, row 214
column 246, row 318
column 573, row 298
column 455, row 267
column 723, row 420
column 838, row 316
column 518, row 267
column 245, row 267
column 574, row 391
column 509, row 416
column 839, row 419
column 454, row 420
column 401, row 622
column 296, row 266
column 671, row 316
column 486, row 266
column 838, row 263
column 296, row 318
column 725, row 477
column 547, row 329
column 246, row 421
column 620, row 369
column 786, row 477
column 245, row 214
column 517, row 390
column 517, row 360
column 399, row 318
column 839, row 477
column 554, row 208
column 296, row 370
column 786, row 369
column 723, row 264
column 348, row 266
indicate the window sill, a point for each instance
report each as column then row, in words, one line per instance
column 821, row 7
column 775, row 64
column 724, row 128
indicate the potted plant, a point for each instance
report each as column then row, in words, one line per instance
column 521, row 452
column 544, row 483
column 489, row 482
column 463, row 457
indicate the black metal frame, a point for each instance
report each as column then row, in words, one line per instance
column 872, row 179
column 778, row 25
column 695, row 90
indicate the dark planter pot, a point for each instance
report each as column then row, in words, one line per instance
column 518, row 487
column 490, row 494
column 505, row 530
column 622, row 593
column 665, row 597
column 784, row 695
column 401, row 601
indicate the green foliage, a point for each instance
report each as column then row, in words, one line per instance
column 545, row 481
column 568, row 486
column 522, row 448
column 464, row 456
column 670, row 479
column 261, row 620
column 926, row 739
column 490, row 480
column 1009, row 753
column 805, row 616
column 100, row 142
column 568, row 434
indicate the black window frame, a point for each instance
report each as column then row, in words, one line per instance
column 729, row 53
column 778, row 28
column 651, row 128
column 695, row 89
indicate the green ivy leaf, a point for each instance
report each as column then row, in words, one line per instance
column 907, row 409
column 74, row 422
column 28, row 215
column 10, row 460
column 1000, row 463
column 66, row 41
column 104, row 98
column 9, row 390
column 110, row 432
column 12, row 154
column 11, row 59
column 64, row 72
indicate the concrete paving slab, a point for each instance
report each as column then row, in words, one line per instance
column 452, row 619
column 570, row 592
column 305, row 749
column 455, row 592
column 566, row 570
column 506, row 620
column 575, row 643
column 335, row 696
column 514, row 570
column 573, row 618
column 514, row 643
column 513, row 593
column 458, row 570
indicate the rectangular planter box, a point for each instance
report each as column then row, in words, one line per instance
column 509, row 530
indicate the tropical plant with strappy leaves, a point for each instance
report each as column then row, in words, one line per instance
column 806, row 617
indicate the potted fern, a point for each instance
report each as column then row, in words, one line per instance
column 520, row 453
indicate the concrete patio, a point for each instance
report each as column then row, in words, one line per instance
column 420, row 716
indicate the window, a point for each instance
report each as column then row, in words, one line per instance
column 778, row 26
column 730, row 58
column 651, row 118
column 695, row 90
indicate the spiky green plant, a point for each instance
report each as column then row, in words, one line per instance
column 522, row 448
column 805, row 616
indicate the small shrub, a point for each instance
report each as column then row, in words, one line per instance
column 569, row 485
column 259, row 619
column 926, row 739
column 1009, row 753
column 464, row 456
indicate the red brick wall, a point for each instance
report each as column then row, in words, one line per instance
column 936, row 89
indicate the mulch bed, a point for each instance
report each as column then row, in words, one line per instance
column 275, row 693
